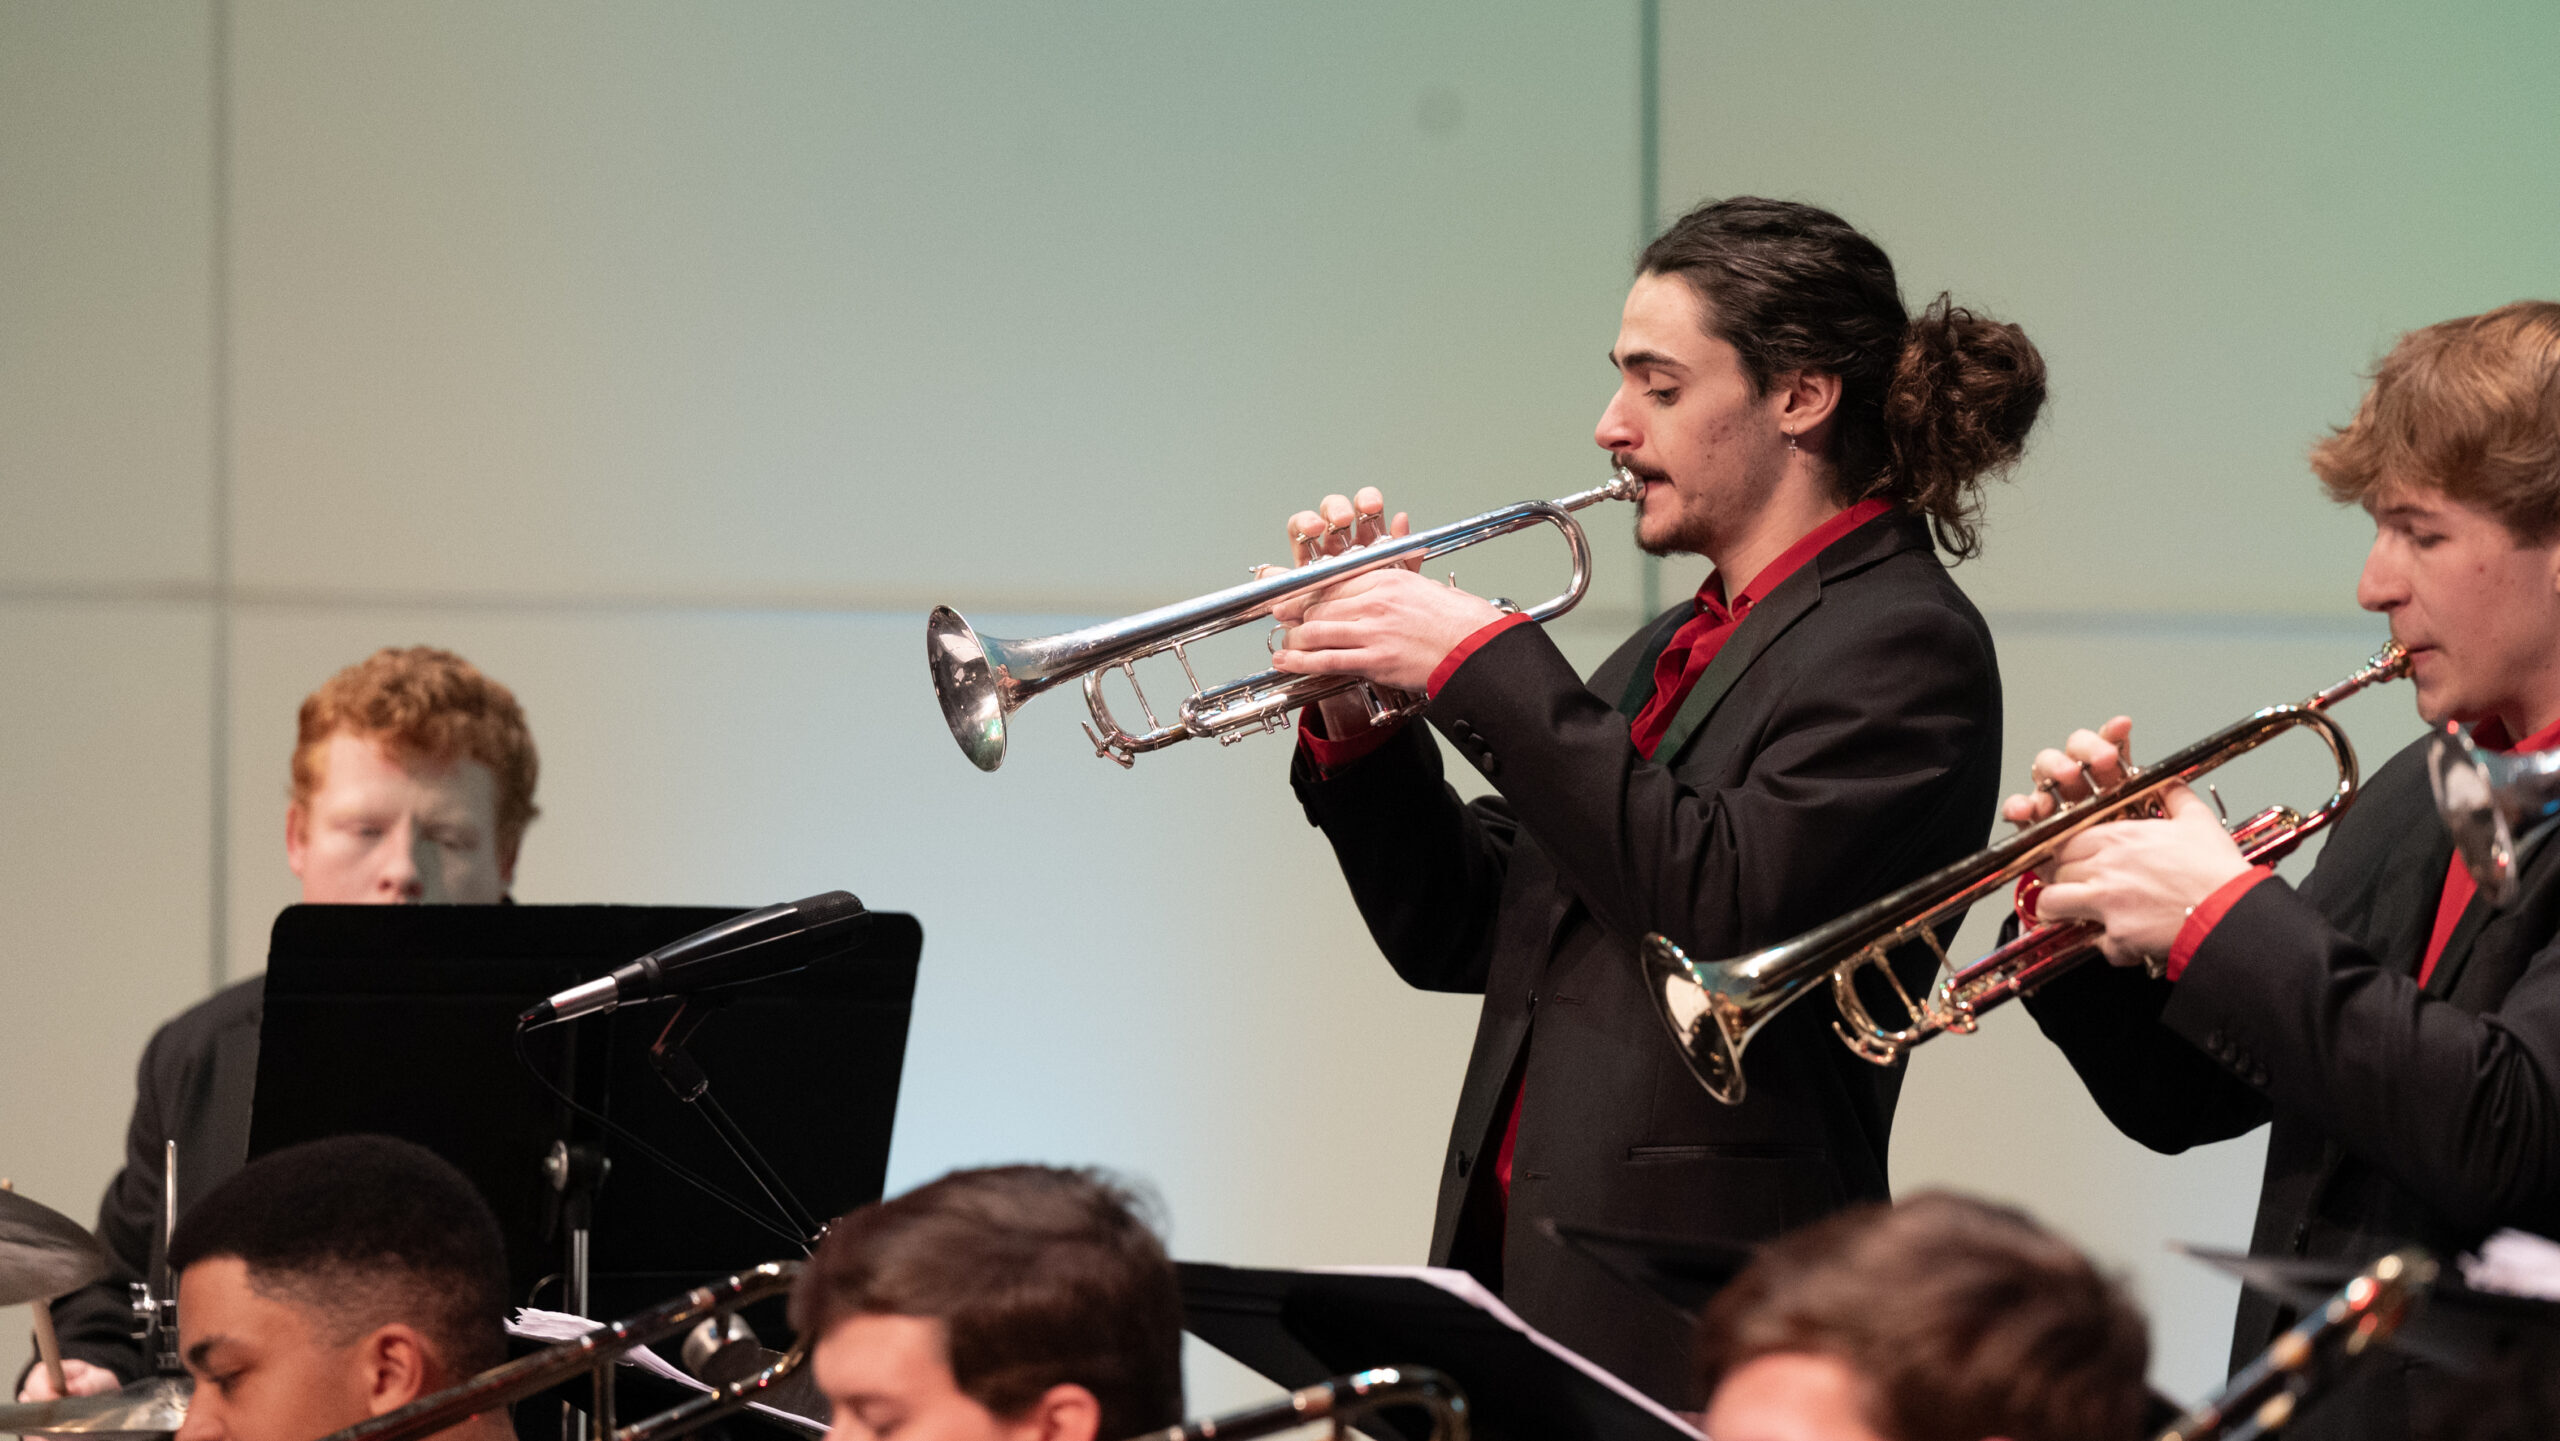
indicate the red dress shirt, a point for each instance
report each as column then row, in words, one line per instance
column 1675, row 674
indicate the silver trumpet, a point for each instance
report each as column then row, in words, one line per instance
column 983, row 679
column 1338, row 1402
column 1714, row 1008
column 2494, row 804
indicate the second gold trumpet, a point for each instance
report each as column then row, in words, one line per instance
column 1714, row 1008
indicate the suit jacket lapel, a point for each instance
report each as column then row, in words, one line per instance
column 1639, row 688
column 235, row 1083
column 1768, row 620
column 2477, row 916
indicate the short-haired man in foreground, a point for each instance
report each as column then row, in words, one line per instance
column 1017, row 1303
column 1939, row 1319
column 331, row 1282
column 413, row 777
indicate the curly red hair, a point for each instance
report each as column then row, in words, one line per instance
column 427, row 704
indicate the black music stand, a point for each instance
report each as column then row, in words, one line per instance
column 2455, row 1327
column 402, row 1020
column 1299, row 1327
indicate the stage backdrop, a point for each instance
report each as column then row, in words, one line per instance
column 671, row 362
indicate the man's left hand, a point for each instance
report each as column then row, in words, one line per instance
column 1389, row 625
column 2140, row 878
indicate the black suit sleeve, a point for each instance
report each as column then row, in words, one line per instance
column 2151, row 1082
column 1844, row 779
column 1425, row 868
column 2462, row 1110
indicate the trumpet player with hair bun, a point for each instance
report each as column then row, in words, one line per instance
column 1819, row 724
column 2398, row 1033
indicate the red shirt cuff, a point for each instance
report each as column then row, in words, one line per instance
column 2207, row 914
column 1332, row 755
column 1457, row 657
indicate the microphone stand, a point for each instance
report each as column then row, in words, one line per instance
column 684, row 1076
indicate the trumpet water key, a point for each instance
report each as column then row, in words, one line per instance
column 1714, row 1008
column 983, row 679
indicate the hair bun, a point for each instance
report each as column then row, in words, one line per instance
column 1964, row 394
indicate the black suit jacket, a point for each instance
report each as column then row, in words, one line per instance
column 2398, row 1113
column 197, row 1079
column 1845, row 740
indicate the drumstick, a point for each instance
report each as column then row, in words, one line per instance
column 48, row 1345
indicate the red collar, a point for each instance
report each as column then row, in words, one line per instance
column 1813, row 542
column 2490, row 735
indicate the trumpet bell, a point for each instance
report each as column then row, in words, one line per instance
column 969, row 685
column 1708, row 1026
column 2492, row 803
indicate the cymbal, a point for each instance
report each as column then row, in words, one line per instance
column 43, row 1253
column 151, row 1407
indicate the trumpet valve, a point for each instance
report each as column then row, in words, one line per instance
column 2274, row 821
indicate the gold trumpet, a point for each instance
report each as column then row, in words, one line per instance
column 1337, row 1402
column 1714, row 1008
column 983, row 679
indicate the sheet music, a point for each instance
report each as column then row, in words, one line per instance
column 2515, row 1263
column 1468, row 1289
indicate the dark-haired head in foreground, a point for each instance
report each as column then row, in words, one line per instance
column 333, row 1281
column 1024, row 1303
column 1938, row 1319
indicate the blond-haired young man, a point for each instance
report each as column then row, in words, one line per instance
column 2399, row 1034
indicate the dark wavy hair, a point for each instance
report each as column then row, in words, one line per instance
column 1929, row 405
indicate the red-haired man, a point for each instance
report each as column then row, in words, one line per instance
column 413, row 779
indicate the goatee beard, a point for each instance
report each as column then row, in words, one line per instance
column 1668, row 546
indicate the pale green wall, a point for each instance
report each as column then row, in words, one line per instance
column 670, row 360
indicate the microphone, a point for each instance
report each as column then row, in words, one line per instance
column 774, row 941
